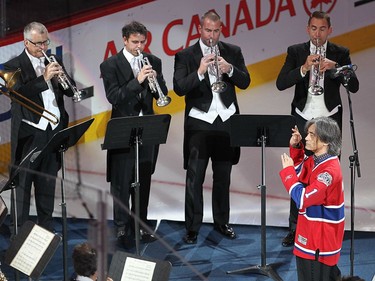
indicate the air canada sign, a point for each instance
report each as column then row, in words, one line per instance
column 261, row 13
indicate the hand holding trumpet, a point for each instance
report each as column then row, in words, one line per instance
column 151, row 75
column 206, row 61
column 209, row 59
column 224, row 66
column 324, row 64
column 53, row 69
column 146, row 72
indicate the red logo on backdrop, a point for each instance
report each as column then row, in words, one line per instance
column 318, row 5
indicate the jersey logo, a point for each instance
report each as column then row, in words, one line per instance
column 288, row 177
column 302, row 240
column 325, row 178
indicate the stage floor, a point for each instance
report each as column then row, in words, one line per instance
column 211, row 258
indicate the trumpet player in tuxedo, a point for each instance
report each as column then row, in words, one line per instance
column 206, row 74
column 320, row 56
column 126, row 78
column 39, row 84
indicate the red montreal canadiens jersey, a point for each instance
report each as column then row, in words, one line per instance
column 319, row 195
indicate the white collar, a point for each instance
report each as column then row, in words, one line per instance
column 83, row 278
column 34, row 60
column 313, row 47
column 205, row 49
column 129, row 56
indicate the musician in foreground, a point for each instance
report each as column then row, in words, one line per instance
column 126, row 83
column 315, row 184
column 302, row 60
column 207, row 74
column 85, row 263
column 38, row 83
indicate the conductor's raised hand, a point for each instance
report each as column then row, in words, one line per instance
column 286, row 160
column 296, row 137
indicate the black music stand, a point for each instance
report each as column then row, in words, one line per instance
column 34, row 257
column 126, row 132
column 160, row 272
column 10, row 184
column 261, row 130
column 60, row 143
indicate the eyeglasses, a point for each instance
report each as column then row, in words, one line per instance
column 40, row 44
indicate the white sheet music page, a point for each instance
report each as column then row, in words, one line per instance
column 138, row 270
column 32, row 250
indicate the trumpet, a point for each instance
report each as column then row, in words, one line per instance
column 10, row 79
column 218, row 86
column 315, row 88
column 153, row 83
column 65, row 82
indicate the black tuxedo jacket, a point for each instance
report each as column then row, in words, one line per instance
column 31, row 87
column 198, row 93
column 123, row 90
column 127, row 96
column 290, row 75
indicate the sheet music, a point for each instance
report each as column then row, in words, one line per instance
column 138, row 270
column 32, row 250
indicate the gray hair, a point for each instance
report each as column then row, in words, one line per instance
column 328, row 131
column 34, row 26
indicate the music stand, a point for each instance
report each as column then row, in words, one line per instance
column 32, row 249
column 144, row 268
column 11, row 185
column 262, row 130
column 60, row 142
column 126, row 132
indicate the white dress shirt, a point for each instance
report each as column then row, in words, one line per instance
column 48, row 96
column 315, row 105
column 135, row 64
column 217, row 107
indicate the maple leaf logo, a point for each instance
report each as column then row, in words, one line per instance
column 318, row 5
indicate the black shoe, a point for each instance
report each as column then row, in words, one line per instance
column 225, row 230
column 146, row 237
column 124, row 241
column 191, row 237
column 289, row 239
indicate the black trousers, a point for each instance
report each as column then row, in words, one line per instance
column 311, row 270
column 122, row 178
column 42, row 176
column 207, row 141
